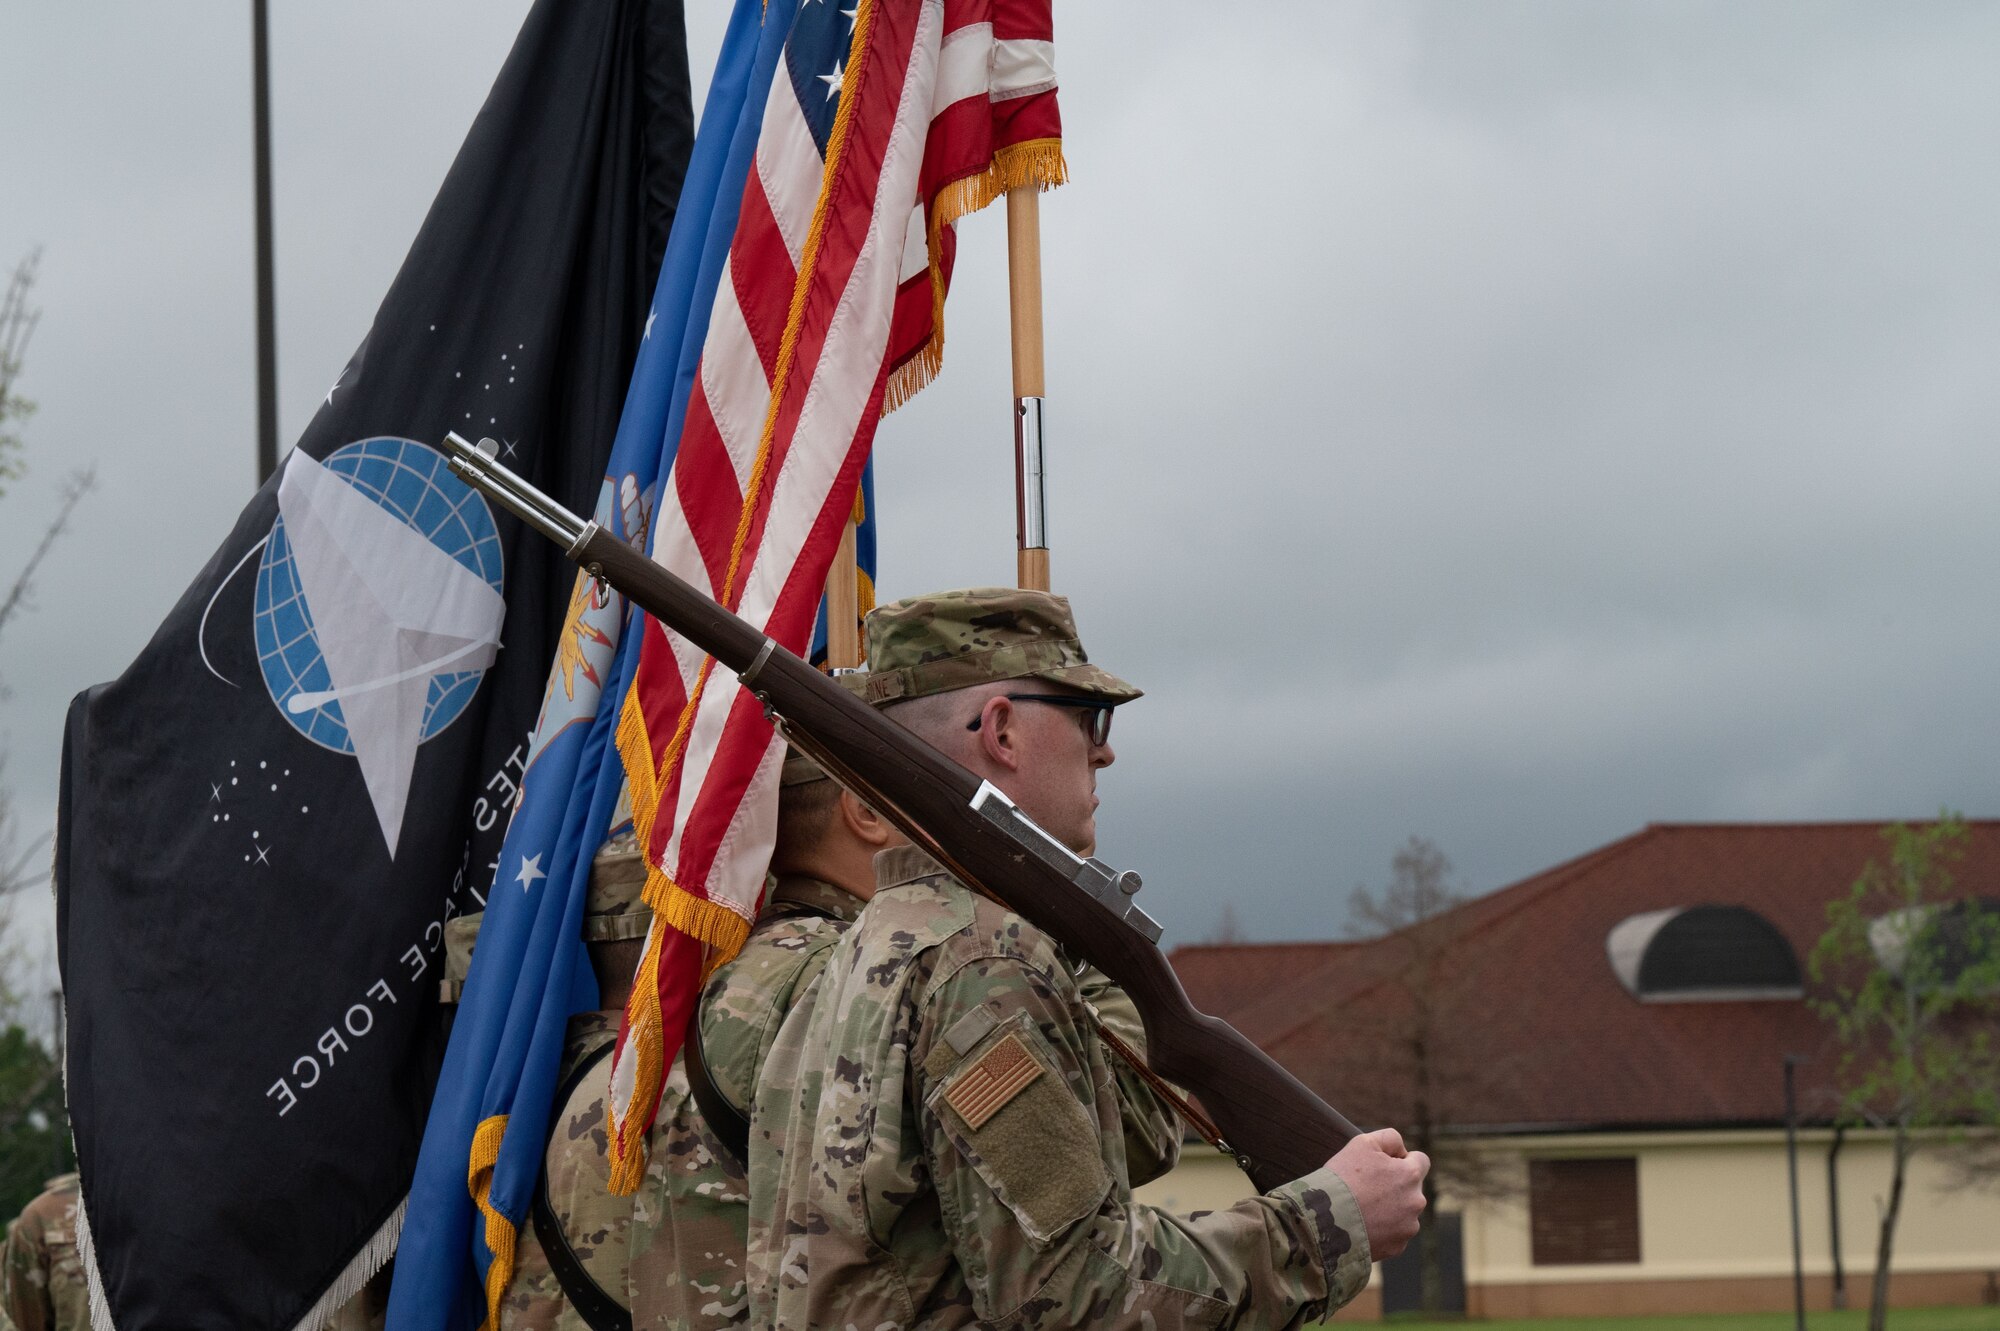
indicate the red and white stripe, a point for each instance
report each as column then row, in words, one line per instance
column 940, row 84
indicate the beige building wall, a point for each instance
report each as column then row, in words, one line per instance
column 1714, row 1225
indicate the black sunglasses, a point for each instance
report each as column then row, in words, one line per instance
column 1096, row 721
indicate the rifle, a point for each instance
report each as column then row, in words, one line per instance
column 1275, row 1128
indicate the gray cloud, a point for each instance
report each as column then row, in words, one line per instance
column 1507, row 423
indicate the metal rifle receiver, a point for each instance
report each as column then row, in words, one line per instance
column 1109, row 887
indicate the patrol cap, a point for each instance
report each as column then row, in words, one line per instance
column 460, row 933
column 954, row 640
column 614, row 907
column 800, row 770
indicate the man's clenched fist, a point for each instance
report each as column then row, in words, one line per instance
column 1388, row 1181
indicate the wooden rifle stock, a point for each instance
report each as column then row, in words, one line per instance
column 1277, row 1128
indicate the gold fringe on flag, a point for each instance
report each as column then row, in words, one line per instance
column 722, row 929
column 1036, row 162
column 642, row 1014
column 500, row 1234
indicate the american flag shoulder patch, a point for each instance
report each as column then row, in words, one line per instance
column 997, row 1076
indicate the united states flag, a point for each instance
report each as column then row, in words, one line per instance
column 885, row 123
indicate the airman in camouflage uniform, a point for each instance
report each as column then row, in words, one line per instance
column 41, row 1277
column 688, row 1227
column 673, row 1253
column 936, row 1140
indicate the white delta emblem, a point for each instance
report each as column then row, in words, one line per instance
column 378, row 606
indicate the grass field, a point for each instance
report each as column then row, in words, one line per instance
column 1910, row 1319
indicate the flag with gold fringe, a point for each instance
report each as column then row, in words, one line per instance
column 885, row 124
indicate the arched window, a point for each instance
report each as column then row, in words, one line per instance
column 1940, row 939
column 1703, row 954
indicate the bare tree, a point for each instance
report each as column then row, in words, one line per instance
column 73, row 489
column 17, row 862
column 1228, row 929
column 18, row 317
column 33, row 1126
column 19, row 859
column 17, row 326
column 1433, row 1075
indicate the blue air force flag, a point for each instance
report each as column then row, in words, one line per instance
column 483, row 1150
column 269, row 816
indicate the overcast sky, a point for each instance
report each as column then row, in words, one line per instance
column 1510, row 424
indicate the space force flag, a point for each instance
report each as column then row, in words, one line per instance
column 886, row 122
column 267, row 819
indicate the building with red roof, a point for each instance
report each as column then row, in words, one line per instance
column 1601, row 1051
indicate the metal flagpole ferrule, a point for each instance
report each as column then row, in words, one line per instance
column 475, row 465
column 1031, row 512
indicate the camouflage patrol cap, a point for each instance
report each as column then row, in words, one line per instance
column 800, row 770
column 954, row 640
column 460, row 933
column 613, row 910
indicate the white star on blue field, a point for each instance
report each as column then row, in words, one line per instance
column 816, row 53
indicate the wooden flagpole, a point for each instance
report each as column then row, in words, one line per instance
column 1024, row 306
column 843, row 604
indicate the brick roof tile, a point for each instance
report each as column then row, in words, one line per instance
column 1542, row 1033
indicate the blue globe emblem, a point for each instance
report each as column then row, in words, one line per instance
column 414, row 482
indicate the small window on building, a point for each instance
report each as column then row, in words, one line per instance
column 1703, row 954
column 1933, row 944
column 1584, row 1212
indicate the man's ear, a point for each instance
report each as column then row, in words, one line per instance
column 866, row 825
column 999, row 738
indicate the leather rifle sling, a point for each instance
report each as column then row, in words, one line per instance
column 729, row 1125
column 599, row 1311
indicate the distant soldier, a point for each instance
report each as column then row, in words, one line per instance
column 43, row 1288
column 934, row 1143
column 41, row 1277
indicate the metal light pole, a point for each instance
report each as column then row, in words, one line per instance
column 1833, row 1215
column 1792, row 1169
column 267, row 331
